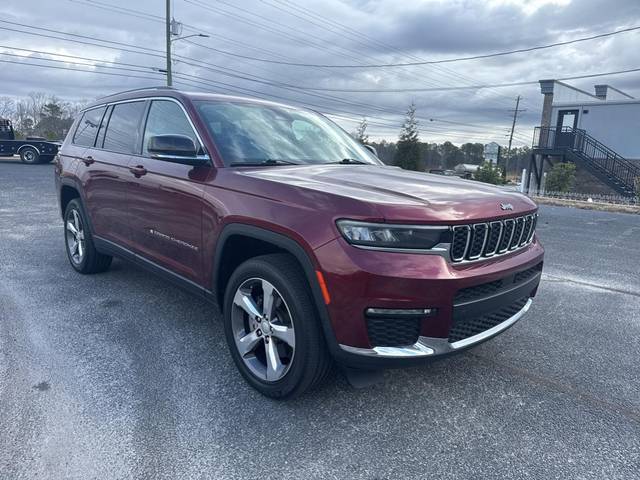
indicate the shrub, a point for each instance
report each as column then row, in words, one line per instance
column 487, row 173
column 561, row 177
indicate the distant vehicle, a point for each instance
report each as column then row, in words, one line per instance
column 314, row 250
column 31, row 150
column 447, row 173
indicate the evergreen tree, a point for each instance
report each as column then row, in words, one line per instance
column 361, row 132
column 408, row 146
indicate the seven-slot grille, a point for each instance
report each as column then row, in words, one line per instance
column 482, row 240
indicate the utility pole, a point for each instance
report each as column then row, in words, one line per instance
column 174, row 33
column 513, row 127
column 168, row 33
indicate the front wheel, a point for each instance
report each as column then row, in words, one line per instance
column 29, row 155
column 272, row 327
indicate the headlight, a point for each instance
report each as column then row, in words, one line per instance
column 383, row 235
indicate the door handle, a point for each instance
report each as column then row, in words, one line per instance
column 88, row 160
column 138, row 170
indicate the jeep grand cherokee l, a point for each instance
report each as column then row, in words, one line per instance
column 314, row 251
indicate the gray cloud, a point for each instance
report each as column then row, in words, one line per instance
column 430, row 29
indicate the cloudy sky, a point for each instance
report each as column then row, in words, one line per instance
column 328, row 32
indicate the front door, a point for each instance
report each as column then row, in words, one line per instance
column 165, row 199
column 566, row 128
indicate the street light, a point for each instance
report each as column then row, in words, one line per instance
column 189, row 36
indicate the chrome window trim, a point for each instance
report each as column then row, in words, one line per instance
column 431, row 346
column 144, row 99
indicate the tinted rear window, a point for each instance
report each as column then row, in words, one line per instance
column 122, row 131
column 88, row 127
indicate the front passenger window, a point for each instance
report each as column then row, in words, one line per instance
column 167, row 118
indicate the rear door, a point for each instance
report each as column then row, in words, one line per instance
column 166, row 198
column 104, row 171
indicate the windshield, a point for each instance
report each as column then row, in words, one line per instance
column 248, row 133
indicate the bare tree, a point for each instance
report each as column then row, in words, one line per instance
column 37, row 101
column 23, row 121
column 7, row 107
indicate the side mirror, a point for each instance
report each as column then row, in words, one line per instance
column 371, row 149
column 177, row 149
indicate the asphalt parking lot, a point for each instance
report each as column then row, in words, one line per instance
column 121, row 375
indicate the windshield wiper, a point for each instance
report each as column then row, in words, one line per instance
column 267, row 161
column 349, row 161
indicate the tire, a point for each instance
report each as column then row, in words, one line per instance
column 30, row 155
column 46, row 158
column 78, row 241
column 294, row 320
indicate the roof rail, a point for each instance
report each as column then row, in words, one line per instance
column 159, row 87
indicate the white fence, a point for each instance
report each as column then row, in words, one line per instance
column 590, row 198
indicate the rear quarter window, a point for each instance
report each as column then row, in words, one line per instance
column 122, row 135
column 85, row 134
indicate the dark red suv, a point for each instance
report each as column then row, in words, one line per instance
column 313, row 249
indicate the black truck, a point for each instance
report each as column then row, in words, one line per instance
column 31, row 150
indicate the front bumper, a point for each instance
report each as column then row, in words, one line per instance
column 431, row 346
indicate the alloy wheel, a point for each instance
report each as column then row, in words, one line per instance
column 263, row 329
column 75, row 237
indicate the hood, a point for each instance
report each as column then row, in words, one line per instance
column 401, row 195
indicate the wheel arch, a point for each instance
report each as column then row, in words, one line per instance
column 67, row 193
column 73, row 190
column 260, row 241
column 27, row 145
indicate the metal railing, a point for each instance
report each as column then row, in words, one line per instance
column 593, row 152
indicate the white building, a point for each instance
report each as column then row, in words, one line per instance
column 598, row 132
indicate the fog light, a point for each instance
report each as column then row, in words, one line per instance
column 399, row 312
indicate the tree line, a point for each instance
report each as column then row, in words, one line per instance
column 39, row 114
column 411, row 153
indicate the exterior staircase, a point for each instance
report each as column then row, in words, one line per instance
column 579, row 147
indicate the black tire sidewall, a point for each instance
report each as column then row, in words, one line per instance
column 23, row 155
column 77, row 205
column 303, row 312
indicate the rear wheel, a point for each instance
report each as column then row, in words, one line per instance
column 29, row 155
column 272, row 327
column 81, row 251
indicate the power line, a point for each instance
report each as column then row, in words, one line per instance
column 285, row 86
column 120, row 49
column 75, row 57
column 331, row 21
column 81, row 36
column 187, row 58
column 454, row 134
column 271, row 82
column 470, row 87
column 435, row 62
column 78, row 70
